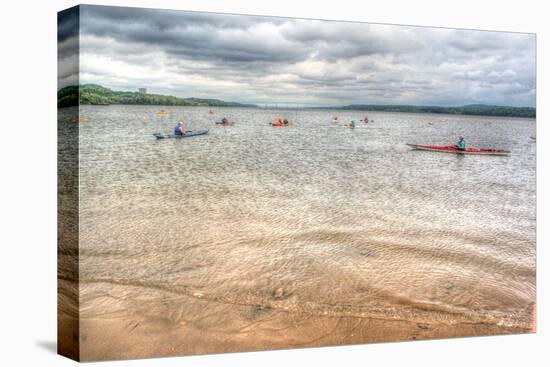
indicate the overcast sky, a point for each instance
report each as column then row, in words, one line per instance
column 269, row 60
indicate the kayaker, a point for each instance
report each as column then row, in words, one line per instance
column 179, row 129
column 352, row 124
column 225, row 121
column 366, row 120
column 285, row 121
column 461, row 145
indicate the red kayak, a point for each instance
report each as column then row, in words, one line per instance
column 455, row 150
column 224, row 123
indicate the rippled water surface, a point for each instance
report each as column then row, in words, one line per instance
column 348, row 222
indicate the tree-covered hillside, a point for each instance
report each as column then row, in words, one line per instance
column 98, row 95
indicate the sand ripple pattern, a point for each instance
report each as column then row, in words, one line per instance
column 348, row 222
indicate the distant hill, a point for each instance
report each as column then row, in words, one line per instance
column 473, row 109
column 97, row 95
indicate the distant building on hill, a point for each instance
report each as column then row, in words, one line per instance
column 143, row 90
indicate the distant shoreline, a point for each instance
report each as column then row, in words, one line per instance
column 91, row 94
column 469, row 110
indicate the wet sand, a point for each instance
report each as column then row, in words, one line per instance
column 174, row 329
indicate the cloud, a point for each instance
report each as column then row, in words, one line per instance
column 67, row 23
column 266, row 59
column 68, row 47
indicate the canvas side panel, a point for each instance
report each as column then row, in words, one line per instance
column 67, row 183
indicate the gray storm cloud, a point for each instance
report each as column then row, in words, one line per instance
column 265, row 59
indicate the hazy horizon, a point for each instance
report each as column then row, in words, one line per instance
column 292, row 105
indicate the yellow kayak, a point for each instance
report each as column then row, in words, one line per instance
column 80, row 119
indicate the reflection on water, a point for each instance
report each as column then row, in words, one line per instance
column 347, row 222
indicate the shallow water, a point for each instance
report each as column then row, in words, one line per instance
column 349, row 222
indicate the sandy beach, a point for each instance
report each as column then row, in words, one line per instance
column 239, row 328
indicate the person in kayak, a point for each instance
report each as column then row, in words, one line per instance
column 352, row 124
column 366, row 120
column 225, row 121
column 179, row 129
column 461, row 145
column 285, row 122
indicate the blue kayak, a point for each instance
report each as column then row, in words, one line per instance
column 187, row 135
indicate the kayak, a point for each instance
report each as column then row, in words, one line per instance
column 80, row 119
column 278, row 124
column 224, row 123
column 451, row 149
column 187, row 135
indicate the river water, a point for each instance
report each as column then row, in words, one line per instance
column 342, row 222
